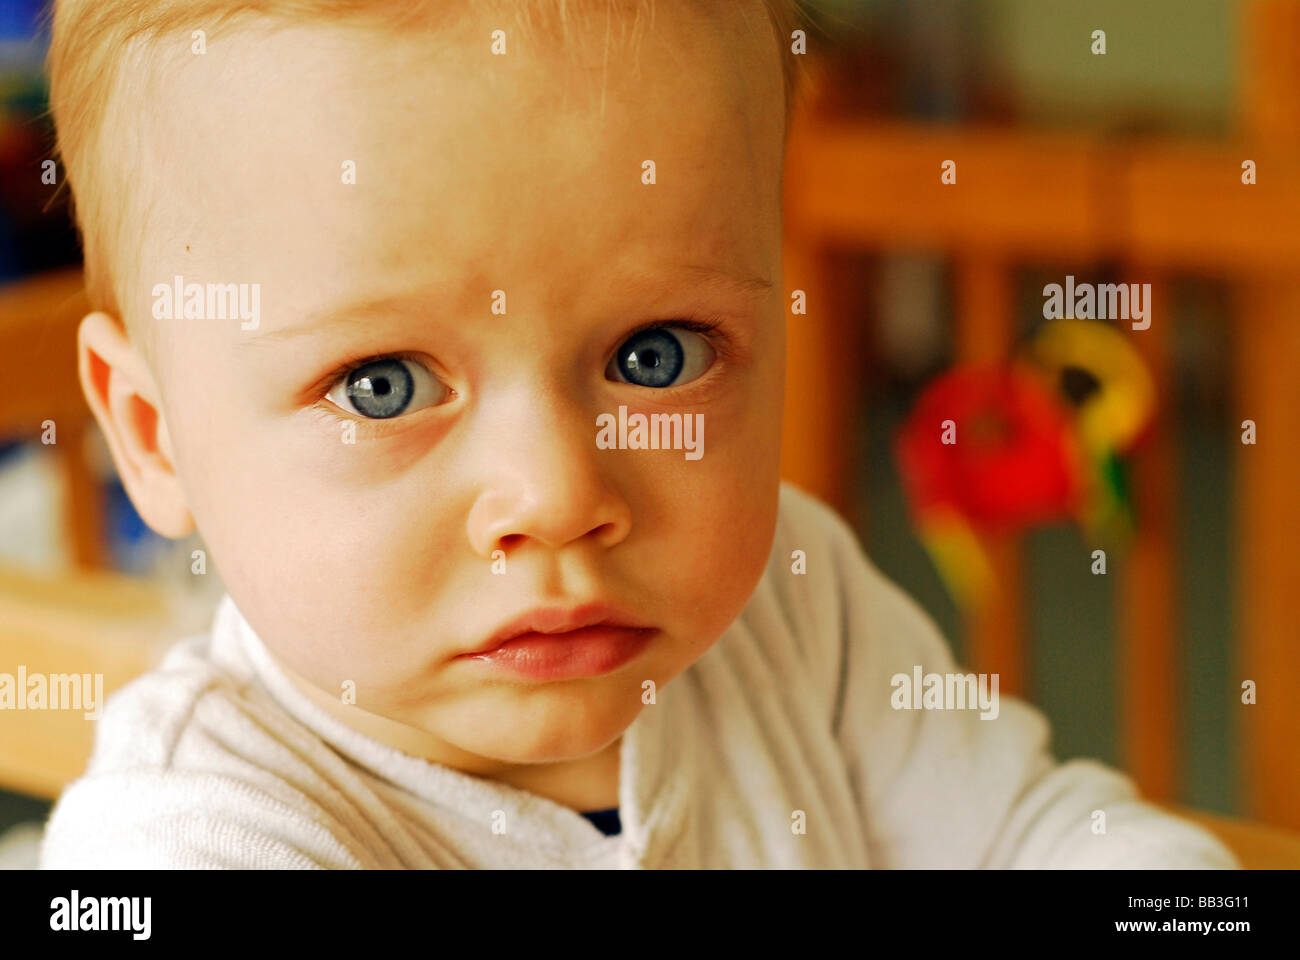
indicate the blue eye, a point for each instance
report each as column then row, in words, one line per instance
column 382, row 389
column 661, row 357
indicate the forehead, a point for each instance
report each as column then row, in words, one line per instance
column 480, row 169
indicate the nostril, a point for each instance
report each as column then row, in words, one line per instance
column 509, row 541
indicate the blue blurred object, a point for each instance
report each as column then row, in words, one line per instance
column 8, row 451
column 18, row 18
column 133, row 545
column 9, row 267
column 36, row 231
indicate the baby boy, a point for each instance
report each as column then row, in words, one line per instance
column 373, row 283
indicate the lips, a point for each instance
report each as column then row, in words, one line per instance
column 556, row 644
column 557, row 620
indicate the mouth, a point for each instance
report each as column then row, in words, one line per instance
column 562, row 644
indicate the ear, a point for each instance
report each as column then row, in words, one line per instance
column 124, row 398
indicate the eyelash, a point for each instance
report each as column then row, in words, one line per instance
column 710, row 328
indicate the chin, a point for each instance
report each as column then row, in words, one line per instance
column 564, row 730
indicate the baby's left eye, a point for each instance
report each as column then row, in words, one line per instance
column 381, row 389
column 661, row 357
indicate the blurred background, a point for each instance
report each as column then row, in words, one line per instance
column 1123, row 166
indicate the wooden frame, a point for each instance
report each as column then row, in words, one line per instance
column 1158, row 207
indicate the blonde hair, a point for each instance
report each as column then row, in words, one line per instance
column 92, row 39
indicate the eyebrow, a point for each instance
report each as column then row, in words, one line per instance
column 743, row 283
column 722, row 281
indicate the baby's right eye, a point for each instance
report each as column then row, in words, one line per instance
column 386, row 388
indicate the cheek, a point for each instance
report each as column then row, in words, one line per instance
column 732, row 526
column 343, row 583
column 719, row 517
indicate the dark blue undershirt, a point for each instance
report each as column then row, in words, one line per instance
column 606, row 821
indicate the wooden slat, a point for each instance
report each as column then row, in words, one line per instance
column 82, row 623
column 39, row 317
column 1187, row 208
column 1171, row 204
column 83, row 508
column 1147, row 632
column 1269, row 107
column 985, row 333
column 821, row 345
column 1258, row 846
column 1268, row 352
column 38, row 331
column 1268, row 559
column 879, row 185
column 821, row 389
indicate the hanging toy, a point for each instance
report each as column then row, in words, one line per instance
column 1104, row 381
column 985, row 450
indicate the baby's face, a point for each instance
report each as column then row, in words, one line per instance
column 474, row 490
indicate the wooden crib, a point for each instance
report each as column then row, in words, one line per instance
column 1074, row 202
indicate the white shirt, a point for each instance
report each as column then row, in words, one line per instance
column 778, row 748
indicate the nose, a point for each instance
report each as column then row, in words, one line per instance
column 548, row 485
